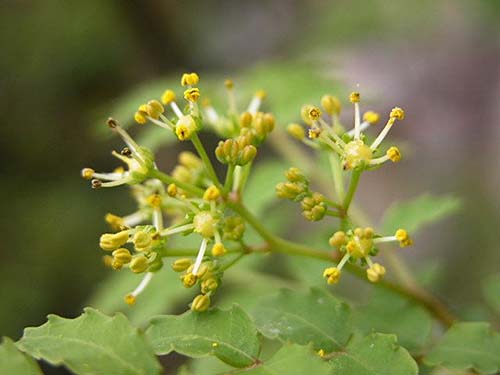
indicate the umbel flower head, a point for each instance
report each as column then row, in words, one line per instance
column 359, row 246
column 350, row 145
column 189, row 201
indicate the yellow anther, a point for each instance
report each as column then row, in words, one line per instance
column 138, row 264
column 229, row 84
column 261, row 94
column 190, row 79
column 142, row 241
column 154, row 109
column 130, row 299
column 107, row 260
column 354, row 249
column 185, row 127
column 211, row 194
column 140, row 117
column 296, row 131
column 397, row 113
column 87, row 173
column 119, row 170
column 218, row 250
column 188, row 280
column 404, row 238
column 314, row 133
column 394, row 154
column 192, row 94
column 122, row 255
column 331, row 104
column 200, row 303
column 338, row 239
column 321, row 353
column 358, row 232
column 354, row 97
column 172, row 190
column 371, row 117
column 215, row 345
column 181, row 264
column 112, row 241
column 314, row 113
column 143, row 108
column 154, row 200
column 168, row 97
column 332, row 275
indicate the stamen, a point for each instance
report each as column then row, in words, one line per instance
column 163, row 124
column 379, row 160
column 211, row 115
column 122, row 181
column 199, row 258
column 385, row 239
column 364, row 125
column 157, row 219
column 256, row 102
column 176, row 109
column 343, row 261
column 125, row 136
column 230, row 95
column 131, row 298
column 133, row 219
column 383, row 133
column 172, row 230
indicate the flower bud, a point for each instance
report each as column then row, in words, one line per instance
column 247, row 155
column 294, row 174
column 200, row 303
column 290, row 190
column 331, row 104
column 246, row 119
column 209, row 285
column 190, row 160
column 182, row 264
column 142, row 241
column 296, row 131
column 154, row 109
column 139, row 264
column 234, row 228
column 314, row 207
column 122, row 255
column 338, row 239
column 112, row 241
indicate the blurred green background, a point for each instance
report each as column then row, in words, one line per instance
column 66, row 66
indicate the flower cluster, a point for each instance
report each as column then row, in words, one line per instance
column 191, row 197
column 349, row 153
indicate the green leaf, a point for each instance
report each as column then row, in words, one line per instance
column 389, row 312
column 491, row 291
column 93, row 343
column 291, row 360
column 260, row 190
column 228, row 334
column 316, row 317
column 375, row 354
column 414, row 214
column 12, row 361
column 468, row 346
